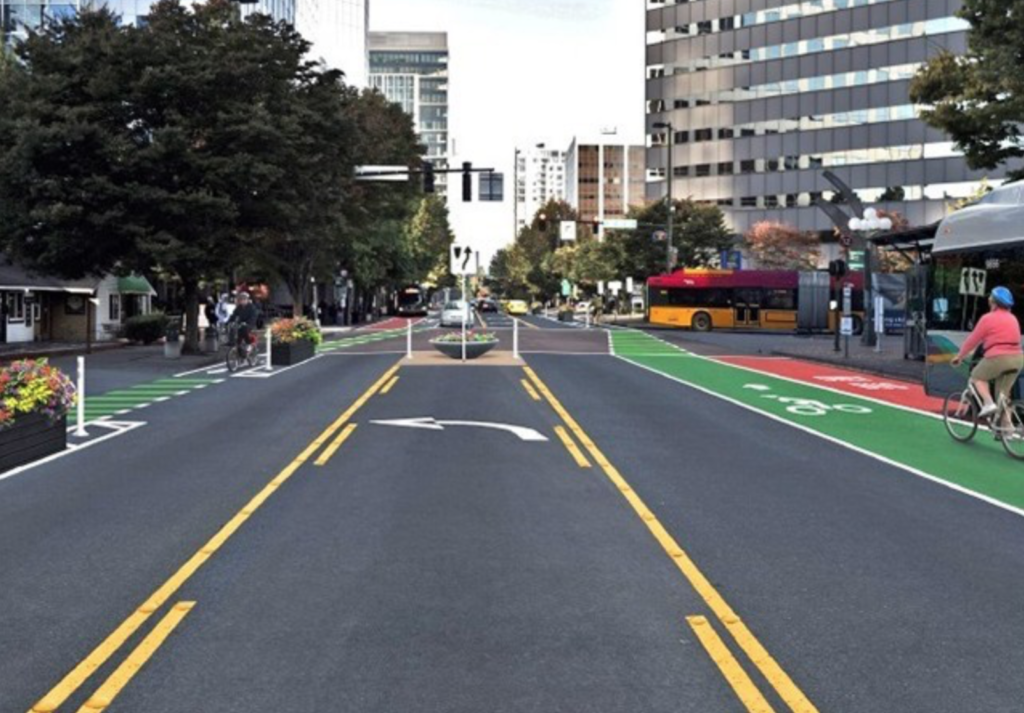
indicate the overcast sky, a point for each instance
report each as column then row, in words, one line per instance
column 525, row 72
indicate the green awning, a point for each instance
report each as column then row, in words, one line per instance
column 134, row 285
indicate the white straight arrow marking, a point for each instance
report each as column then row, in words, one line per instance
column 431, row 424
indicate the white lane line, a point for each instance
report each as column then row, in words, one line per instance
column 162, row 398
column 836, row 441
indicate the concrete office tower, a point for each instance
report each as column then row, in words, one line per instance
column 411, row 69
column 764, row 96
column 540, row 177
column 604, row 178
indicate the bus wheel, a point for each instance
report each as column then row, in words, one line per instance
column 701, row 322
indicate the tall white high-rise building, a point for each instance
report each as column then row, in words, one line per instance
column 540, row 177
column 411, row 69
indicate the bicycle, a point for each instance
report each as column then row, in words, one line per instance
column 960, row 414
column 239, row 354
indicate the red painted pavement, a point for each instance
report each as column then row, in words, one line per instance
column 893, row 391
column 393, row 323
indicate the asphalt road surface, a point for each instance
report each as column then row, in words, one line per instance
column 601, row 526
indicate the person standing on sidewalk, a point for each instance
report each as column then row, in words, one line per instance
column 998, row 332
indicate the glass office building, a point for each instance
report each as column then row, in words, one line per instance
column 411, row 69
column 764, row 95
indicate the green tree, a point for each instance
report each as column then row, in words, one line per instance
column 429, row 236
column 978, row 98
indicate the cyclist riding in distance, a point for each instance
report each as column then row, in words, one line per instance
column 246, row 315
column 999, row 333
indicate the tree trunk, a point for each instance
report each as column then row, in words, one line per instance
column 191, row 345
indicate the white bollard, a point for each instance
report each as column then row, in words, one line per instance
column 515, row 338
column 587, row 318
column 408, row 342
column 80, row 431
column 464, row 337
column 270, row 345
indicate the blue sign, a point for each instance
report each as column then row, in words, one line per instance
column 732, row 260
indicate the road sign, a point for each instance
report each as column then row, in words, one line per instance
column 629, row 285
column 429, row 423
column 382, row 173
column 619, row 224
column 567, row 231
column 972, row 281
column 461, row 260
column 846, row 326
column 566, row 288
column 856, row 260
column 847, row 298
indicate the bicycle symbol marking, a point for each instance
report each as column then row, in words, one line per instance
column 806, row 407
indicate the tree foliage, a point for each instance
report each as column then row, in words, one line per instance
column 195, row 144
column 777, row 246
column 978, row 98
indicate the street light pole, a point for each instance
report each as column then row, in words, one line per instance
column 667, row 125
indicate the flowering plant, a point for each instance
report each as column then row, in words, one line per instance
column 456, row 337
column 289, row 331
column 31, row 386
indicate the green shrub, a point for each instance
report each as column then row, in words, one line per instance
column 146, row 328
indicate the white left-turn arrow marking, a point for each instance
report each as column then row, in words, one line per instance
column 431, row 424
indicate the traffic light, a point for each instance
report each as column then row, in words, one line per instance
column 428, row 177
column 837, row 268
column 467, row 182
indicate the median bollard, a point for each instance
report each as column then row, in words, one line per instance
column 80, row 431
column 270, row 351
column 515, row 338
column 408, row 342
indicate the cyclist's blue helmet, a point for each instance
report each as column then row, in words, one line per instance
column 1002, row 297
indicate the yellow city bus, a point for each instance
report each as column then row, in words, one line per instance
column 703, row 300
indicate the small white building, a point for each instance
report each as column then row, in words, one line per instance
column 43, row 308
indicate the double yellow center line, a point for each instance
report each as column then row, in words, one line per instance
column 787, row 690
column 109, row 646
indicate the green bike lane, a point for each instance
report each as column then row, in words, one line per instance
column 915, row 442
column 120, row 402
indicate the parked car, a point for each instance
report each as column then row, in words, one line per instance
column 517, row 307
column 486, row 305
column 454, row 314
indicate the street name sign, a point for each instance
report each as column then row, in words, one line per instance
column 567, row 231
column 619, row 224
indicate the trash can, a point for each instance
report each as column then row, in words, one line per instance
column 173, row 343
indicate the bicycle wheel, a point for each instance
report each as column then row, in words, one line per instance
column 233, row 360
column 1013, row 440
column 960, row 414
column 252, row 356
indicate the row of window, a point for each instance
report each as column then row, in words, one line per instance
column 775, row 14
column 849, row 157
column 816, row 44
column 935, row 191
column 797, row 86
column 725, row 298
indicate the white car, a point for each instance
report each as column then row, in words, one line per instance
column 454, row 314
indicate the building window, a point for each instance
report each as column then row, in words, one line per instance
column 771, row 201
column 748, row 166
column 725, row 168
column 704, row 169
column 16, row 306
column 703, row 135
column 681, row 104
column 748, row 201
column 114, row 312
column 791, row 200
column 681, row 171
column 682, row 137
column 725, row 133
column 724, row 202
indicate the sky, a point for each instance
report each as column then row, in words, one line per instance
column 524, row 72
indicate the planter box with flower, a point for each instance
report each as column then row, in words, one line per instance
column 34, row 401
column 293, row 341
column 477, row 344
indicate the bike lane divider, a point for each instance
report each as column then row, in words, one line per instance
column 106, row 649
column 913, row 441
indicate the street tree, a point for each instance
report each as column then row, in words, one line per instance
column 977, row 98
column 778, row 246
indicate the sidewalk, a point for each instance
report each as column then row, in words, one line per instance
column 35, row 350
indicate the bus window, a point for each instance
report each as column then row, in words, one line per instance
column 780, row 299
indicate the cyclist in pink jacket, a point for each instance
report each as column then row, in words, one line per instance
column 999, row 332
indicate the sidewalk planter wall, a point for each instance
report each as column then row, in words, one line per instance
column 292, row 353
column 31, row 437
